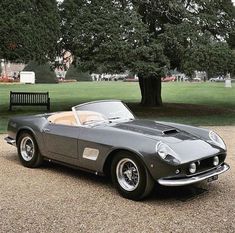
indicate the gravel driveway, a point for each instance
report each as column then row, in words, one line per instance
column 58, row 199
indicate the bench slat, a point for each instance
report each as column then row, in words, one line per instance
column 29, row 98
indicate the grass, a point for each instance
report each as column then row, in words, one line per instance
column 191, row 103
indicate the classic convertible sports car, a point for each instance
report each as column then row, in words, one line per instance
column 104, row 137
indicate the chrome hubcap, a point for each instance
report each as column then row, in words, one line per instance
column 127, row 174
column 27, row 148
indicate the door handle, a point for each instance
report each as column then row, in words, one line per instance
column 46, row 130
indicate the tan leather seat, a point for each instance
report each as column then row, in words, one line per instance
column 89, row 116
column 63, row 118
column 67, row 118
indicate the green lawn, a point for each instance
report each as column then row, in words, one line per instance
column 191, row 103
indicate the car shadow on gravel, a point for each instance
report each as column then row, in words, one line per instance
column 75, row 173
column 160, row 193
column 184, row 193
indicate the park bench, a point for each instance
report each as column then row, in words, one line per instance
column 29, row 99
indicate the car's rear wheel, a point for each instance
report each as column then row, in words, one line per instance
column 130, row 176
column 28, row 150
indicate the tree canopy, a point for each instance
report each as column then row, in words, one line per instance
column 144, row 37
column 185, row 25
column 149, row 37
column 108, row 36
column 29, row 30
column 215, row 58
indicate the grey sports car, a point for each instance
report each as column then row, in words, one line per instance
column 104, row 137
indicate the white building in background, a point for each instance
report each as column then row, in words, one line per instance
column 65, row 61
column 27, row 77
column 11, row 69
column 180, row 77
column 200, row 75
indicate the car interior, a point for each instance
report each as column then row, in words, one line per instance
column 68, row 118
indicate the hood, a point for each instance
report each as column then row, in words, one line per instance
column 188, row 146
column 155, row 130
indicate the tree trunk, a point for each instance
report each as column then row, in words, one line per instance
column 150, row 87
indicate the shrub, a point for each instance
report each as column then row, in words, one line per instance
column 43, row 72
column 74, row 73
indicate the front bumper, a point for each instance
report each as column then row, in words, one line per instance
column 191, row 180
column 10, row 141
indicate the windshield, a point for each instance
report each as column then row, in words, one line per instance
column 110, row 110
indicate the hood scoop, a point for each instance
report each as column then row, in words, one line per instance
column 148, row 128
column 170, row 131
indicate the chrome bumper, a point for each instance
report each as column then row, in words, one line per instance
column 194, row 179
column 10, row 141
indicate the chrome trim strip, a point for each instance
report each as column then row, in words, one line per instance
column 194, row 179
column 10, row 141
column 75, row 115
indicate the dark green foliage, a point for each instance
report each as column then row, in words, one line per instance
column 183, row 26
column 74, row 73
column 43, row 72
column 215, row 58
column 84, row 76
column 149, row 37
column 231, row 39
column 108, row 36
column 145, row 37
column 29, row 30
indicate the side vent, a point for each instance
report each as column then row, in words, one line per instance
column 170, row 131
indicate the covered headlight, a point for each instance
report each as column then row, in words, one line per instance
column 217, row 140
column 166, row 153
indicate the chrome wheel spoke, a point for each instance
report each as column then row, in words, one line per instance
column 27, row 148
column 127, row 174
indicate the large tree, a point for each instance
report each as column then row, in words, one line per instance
column 147, row 37
column 193, row 33
column 215, row 58
column 110, row 36
column 29, row 30
column 199, row 28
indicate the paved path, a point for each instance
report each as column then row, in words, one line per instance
column 58, row 199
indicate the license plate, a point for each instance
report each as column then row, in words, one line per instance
column 210, row 179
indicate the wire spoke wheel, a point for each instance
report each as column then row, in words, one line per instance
column 27, row 148
column 127, row 174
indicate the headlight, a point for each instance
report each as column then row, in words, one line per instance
column 217, row 140
column 166, row 153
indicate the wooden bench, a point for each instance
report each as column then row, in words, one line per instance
column 29, row 99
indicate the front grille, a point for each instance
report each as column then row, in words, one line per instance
column 207, row 164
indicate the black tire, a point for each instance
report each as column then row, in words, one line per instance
column 29, row 158
column 137, row 189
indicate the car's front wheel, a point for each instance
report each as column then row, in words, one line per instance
column 130, row 176
column 28, row 150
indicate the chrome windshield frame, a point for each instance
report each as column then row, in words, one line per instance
column 76, row 108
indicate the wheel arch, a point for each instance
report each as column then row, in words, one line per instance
column 27, row 130
column 109, row 158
